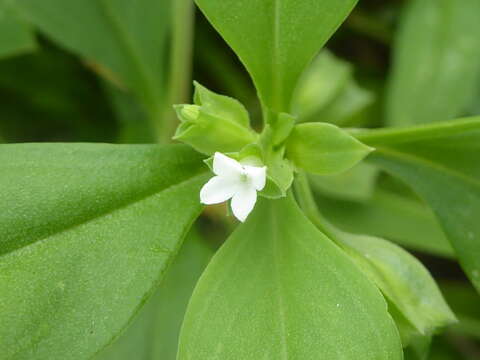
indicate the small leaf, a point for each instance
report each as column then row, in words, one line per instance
column 280, row 289
column 276, row 39
column 221, row 106
column 435, row 53
column 216, row 123
column 281, row 128
column 440, row 162
column 324, row 149
column 87, row 232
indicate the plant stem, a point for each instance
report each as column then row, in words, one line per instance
column 307, row 203
column 180, row 74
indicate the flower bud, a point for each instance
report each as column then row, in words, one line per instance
column 215, row 123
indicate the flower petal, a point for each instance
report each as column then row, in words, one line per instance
column 218, row 189
column 225, row 166
column 258, row 176
column 243, row 202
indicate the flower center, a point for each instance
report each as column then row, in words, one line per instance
column 244, row 177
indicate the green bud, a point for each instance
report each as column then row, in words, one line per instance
column 214, row 123
column 324, row 149
column 190, row 112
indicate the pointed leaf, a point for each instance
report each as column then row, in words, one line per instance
column 87, row 231
column 324, row 149
column 280, row 289
column 276, row 39
column 440, row 162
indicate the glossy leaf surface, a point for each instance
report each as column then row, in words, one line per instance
column 280, row 289
column 440, row 162
column 276, row 39
column 85, row 240
column 435, row 67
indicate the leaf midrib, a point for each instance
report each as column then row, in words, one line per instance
column 36, row 241
column 276, row 70
column 278, row 285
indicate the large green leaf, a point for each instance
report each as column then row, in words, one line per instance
column 154, row 334
column 87, row 231
column 440, row 162
column 276, row 39
column 16, row 36
column 280, row 289
column 126, row 39
column 435, row 67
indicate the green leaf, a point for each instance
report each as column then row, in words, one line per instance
column 416, row 346
column 215, row 123
column 125, row 39
column 464, row 301
column 440, row 162
column 328, row 92
column 276, row 39
column 357, row 183
column 322, row 82
column 435, row 66
column 324, row 149
column 87, row 232
column 221, row 106
column 154, row 333
column 414, row 299
column 16, row 36
column 349, row 106
column 280, row 289
column 388, row 215
column 402, row 279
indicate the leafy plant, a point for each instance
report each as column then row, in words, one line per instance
column 93, row 262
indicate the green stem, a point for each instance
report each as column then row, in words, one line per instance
column 307, row 203
column 180, row 74
column 391, row 136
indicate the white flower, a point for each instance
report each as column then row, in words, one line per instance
column 234, row 181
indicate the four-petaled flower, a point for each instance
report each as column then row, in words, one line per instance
column 234, row 181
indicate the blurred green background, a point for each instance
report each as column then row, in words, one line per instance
column 52, row 89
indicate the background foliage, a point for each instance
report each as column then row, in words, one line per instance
column 392, row 63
